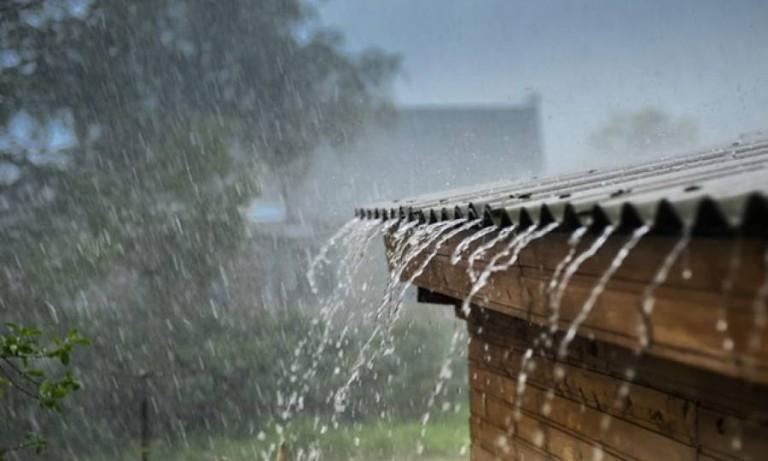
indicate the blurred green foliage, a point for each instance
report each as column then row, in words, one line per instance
column 446, row 438
column 28, row 374
column 175, row 106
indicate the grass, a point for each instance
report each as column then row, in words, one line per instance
column 446, row 438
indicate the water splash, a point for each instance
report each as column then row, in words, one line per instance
column 759, row 314
column 483, row 249
column 410, row 245
column 321, row 257
column 456, row 231
column 571, row 270
column 387, row 345
column 513, row 249
column 464, row 244
column 554, row 282
column 353, row 239
column 300, row 373
column 647, row 302
column 729, row 283
column 421, row 239
column 586, row 309
column 599, row 288
column 522, row 380
column 527, row 238
column 355, row 245
column 401, row 239
column 445, row 373
column 648, row 299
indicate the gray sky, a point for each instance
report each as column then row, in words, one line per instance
column 701, row 58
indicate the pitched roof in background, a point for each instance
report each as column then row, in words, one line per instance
column 458, row 145
column 715, row 192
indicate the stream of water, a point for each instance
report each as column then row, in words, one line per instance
column 645, row 331
column 599, row 288
column 412, row 246
column 760, row 313
column 511, row 250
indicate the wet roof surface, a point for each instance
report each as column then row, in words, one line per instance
column 718, row 191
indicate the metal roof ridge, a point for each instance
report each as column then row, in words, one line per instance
column 717, row 192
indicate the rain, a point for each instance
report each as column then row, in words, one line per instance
column 305, row 230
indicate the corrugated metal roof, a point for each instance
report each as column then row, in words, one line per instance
column 716, row 192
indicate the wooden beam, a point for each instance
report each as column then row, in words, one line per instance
column 688, row 306
column 699, row 416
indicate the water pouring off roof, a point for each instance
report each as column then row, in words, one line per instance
column 592, row 297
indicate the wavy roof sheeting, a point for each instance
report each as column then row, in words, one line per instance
column 718, row 192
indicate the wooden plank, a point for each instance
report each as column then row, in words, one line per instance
column 504, row 445
column 731, row 438
column 700, row 411
column 621, row 436
column 477, row 400
column 708, row 259
column 683, row 323
column 684, row 320
column 693, row 395
column 706, row 457
column 538, row 434
column 496, row 337
column 649, row 408
column 479, row 453
column 490, row 438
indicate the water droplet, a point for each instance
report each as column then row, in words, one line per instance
column 597, row 453
column 736, row 443
column 605, row 422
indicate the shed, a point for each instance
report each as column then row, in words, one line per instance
column 614, row 315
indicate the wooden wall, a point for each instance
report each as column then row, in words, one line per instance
column 672, row 412
column 698, row 392
column 687, row 307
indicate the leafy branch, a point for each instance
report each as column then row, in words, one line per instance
column 26, row 367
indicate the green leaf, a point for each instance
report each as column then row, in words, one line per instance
column 30, row 332
column 34, row 373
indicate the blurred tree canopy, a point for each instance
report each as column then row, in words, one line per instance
column 642, row 133
column 25, row 370
column 157, row 94
column 132, row 132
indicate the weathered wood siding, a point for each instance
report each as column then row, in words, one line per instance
column 699, row 392
column 673, row 412
column 687, row 308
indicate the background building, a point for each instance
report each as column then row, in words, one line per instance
column 424, row 149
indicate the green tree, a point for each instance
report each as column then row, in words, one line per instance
column 172, row 105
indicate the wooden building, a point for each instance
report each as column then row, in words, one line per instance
column 660, row 271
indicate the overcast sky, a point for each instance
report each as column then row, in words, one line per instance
column 704, row 59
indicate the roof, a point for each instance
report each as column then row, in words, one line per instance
column 715, row 192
